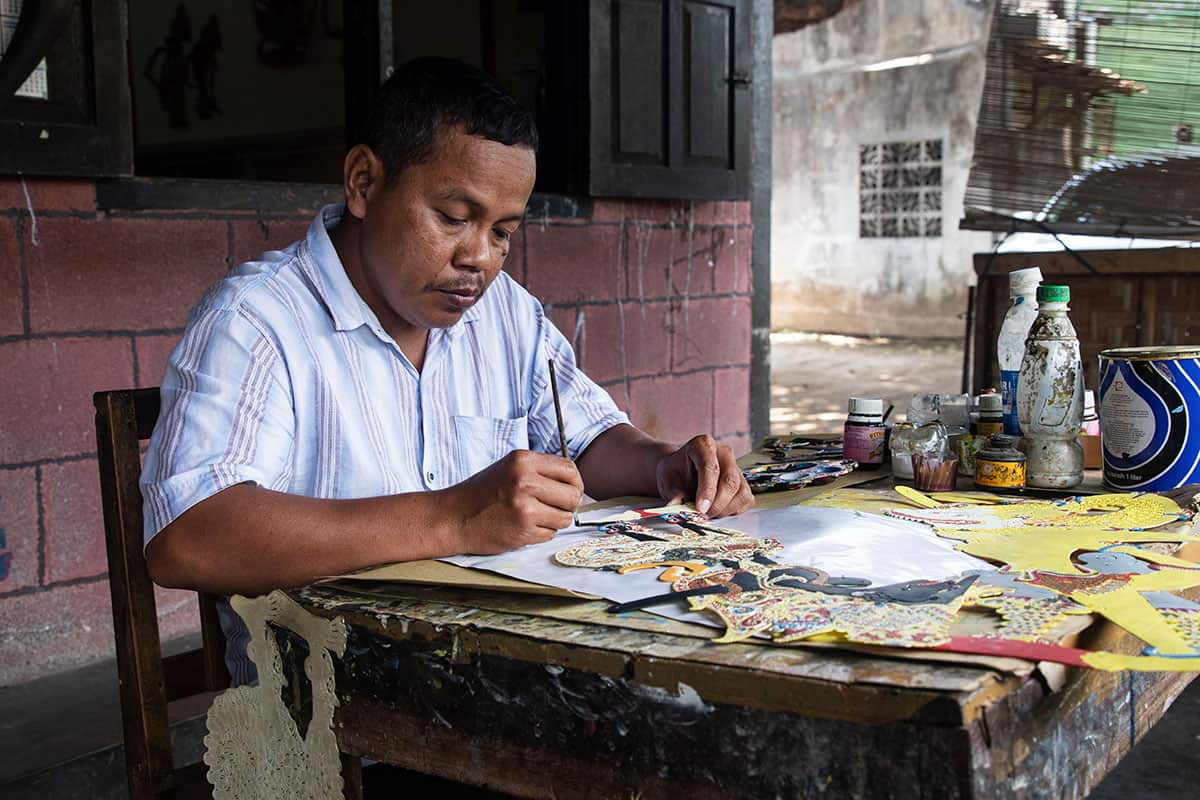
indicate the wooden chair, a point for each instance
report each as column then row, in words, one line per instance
column 148, row 681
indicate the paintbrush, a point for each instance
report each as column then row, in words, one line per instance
column 562, row 434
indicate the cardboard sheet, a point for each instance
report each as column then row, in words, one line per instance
column 439, row 573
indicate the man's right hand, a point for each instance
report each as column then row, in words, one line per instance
column 523, row 498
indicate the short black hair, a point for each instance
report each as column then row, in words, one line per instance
column 428, row 95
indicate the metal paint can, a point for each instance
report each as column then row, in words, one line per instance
column 1150, row 417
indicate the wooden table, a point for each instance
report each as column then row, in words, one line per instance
column 535, row 697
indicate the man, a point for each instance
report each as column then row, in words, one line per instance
column 379, row 391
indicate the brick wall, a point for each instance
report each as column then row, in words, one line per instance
column 654, row 295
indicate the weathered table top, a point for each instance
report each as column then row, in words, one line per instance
column 547, row 697
column 514, row 693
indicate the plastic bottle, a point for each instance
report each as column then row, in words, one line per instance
column 1010, row 344
column 1050, row 395
column 864, row 434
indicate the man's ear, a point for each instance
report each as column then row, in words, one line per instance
column 362, row 175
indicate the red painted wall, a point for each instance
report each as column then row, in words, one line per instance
column 655, row 296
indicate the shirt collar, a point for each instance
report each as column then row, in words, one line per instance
column 348, row 309
column 346, row 306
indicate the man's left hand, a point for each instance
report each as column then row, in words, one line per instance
column 707, row 471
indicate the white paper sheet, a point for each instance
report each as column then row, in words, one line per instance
column 842, row 543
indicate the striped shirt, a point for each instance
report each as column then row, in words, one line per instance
column 285, row 378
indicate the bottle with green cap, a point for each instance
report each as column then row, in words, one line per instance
column 1050, row 395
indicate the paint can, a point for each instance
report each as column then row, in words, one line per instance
column 1150, row 417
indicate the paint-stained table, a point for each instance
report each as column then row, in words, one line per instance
column 551, row 697
column 539, row 697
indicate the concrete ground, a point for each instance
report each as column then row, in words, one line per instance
column 812, row 375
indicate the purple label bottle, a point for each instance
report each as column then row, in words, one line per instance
column 864, row 435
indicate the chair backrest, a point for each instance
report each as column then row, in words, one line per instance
column 148, row 682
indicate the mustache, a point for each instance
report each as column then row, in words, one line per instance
column 472, row 287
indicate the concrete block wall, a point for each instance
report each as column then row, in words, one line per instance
column 829, row 101
column 654, row 295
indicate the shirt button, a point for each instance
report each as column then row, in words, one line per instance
column 430, row 476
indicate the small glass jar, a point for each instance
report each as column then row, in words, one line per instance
column 900, row 446
column 1000, row 465
column 966, row 448
column 909, row 439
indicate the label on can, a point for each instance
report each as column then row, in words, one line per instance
column 1149, row 410
column 1008, row 396
column 1130, row 428
column 986, row 429
column 999, row 474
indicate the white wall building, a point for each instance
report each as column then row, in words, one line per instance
column 875, row 113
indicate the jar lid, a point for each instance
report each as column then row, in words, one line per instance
column 1053, row 294
column 1022, row 281
column 1154, row 353
column 1002, row 441
column 991, row 402
column 866, row 406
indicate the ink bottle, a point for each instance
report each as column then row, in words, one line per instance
column 991, row 415
column 864, row 434
column 1000, row 465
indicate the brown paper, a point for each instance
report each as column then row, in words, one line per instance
column 439, row 573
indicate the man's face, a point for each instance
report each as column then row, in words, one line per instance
column 434, row 240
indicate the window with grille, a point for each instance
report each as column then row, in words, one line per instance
column 900, row 189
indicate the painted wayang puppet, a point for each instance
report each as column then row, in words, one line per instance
column 378, row 391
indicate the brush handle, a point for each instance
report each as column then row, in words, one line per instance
column 562, row 436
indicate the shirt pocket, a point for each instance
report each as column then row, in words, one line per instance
column 482, row 441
